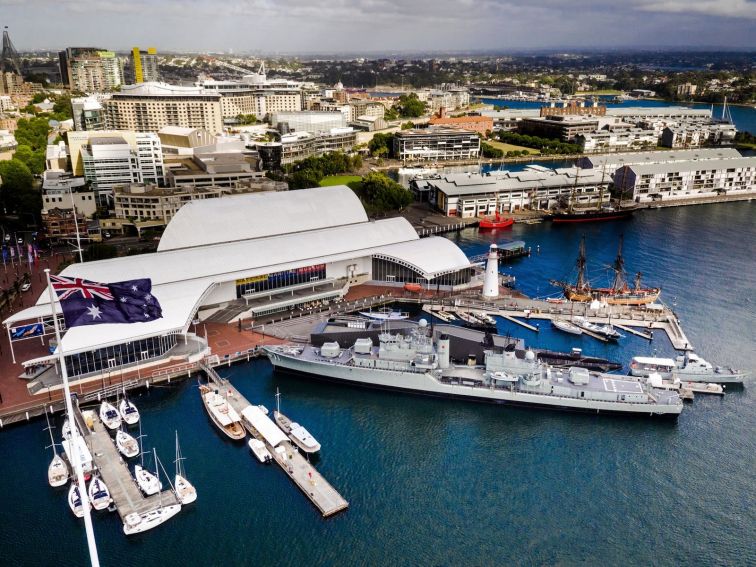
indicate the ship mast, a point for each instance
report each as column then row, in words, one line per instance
column 638, row 276
column 581, row 283
column 619, row 268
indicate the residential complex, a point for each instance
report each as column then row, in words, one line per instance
column 144, row 65
column 686, row 179
column 90, row 69
column 88, row 113
column 300, row 145
column 307, row 121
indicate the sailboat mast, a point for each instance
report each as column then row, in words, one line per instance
column 49, row 430
column 619, row 267
column 278, row 401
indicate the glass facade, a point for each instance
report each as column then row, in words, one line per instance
column 277, row 280
column 386, row 270
column 119, row 355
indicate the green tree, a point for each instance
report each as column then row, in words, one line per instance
column 408, row 125
column 382, row 193
column 246, row 119
column 305, row 179
column 16, row 176
column 410, row 106
column 489, row 151
column 381, row 144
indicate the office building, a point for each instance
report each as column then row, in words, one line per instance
column 63, row 191
column 90, row 69
column 300, row 145
column 479, row 124
column 213, row 168
column 148, row 107
column 611, row 162
column 686, row 180
column 144, row 65
column 564, row 128
column 436, row 144
column 307, row 121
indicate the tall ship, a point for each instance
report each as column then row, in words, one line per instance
column 601, row 213
column 416, row 363
column 619, row 293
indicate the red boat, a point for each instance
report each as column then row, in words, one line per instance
column 496, row 222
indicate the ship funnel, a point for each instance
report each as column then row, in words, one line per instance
column 443, row 351
column 491, row 279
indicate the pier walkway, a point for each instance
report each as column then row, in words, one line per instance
column 115, row 472
column 305, row 476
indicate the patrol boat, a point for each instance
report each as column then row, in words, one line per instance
column 417, row 364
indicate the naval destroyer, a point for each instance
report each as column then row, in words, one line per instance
column 416, row 363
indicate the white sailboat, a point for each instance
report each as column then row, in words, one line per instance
column 185, row 491
column 65, row 431
column 148, row 482
column 74, row 500
column 126, row 444
column 128, row 411
column 57, row 471
column 109, row 415
column 137, row 523
column 99, row 495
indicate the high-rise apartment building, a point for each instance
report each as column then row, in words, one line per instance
column 90, row 69
column 144, row 65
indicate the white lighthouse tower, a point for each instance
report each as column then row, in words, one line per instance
column 491, row 279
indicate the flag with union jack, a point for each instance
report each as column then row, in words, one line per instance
column 92, row 303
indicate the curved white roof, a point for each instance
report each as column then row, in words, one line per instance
column 257, row 215
column 432, row 256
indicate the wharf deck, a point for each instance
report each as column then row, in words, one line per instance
column 115, row 473
column 317, row 489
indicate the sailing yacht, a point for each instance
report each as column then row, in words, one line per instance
column 185, row 491
column 109, row 415
column 74, row 500
column 148, row 482
column 99, row 495
column 137, row 523
column 126, row 444
column 57, row 471
column 128, row 411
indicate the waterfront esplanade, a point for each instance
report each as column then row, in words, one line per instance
column 256, row 254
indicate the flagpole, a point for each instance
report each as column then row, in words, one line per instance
column 91, row 543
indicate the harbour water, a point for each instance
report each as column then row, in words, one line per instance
column 438, row 482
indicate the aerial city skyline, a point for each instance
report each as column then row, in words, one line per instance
column 385, row 27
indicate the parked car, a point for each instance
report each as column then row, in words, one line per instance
column 26, row 286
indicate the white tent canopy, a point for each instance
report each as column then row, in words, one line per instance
column 264, row 425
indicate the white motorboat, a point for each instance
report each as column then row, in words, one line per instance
column 185, row 491
column 57, row 471
column 74, row 500
column 126, row 444
column 605, row 330
column 128, row 411
column 386, row 315
column 138, row 523
column 99, row 495
column 259, row 450
column 298, row 434
column 566, row 327
column 109, row 416
column 148, row 482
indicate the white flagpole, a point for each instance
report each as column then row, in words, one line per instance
column 91, row 543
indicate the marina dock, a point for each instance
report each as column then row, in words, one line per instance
column 317, row 489
column 116, row 474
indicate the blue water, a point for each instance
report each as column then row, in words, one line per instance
column 744, row 117
column 439, row 482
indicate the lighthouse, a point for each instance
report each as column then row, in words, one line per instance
column 491, row 279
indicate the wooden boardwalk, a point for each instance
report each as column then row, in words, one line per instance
column 317, row 489
column 116, row 473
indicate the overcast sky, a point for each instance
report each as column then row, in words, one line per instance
column 379, row 25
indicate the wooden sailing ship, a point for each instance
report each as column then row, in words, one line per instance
column 619, row 293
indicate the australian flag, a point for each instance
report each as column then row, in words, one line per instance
column 91, row 303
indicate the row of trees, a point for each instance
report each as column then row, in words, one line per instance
column 546, row 145
column 489, row 151
column 31, row 135
column 310, row 171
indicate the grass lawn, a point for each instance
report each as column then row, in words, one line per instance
column 510, row 147
column 600, row 92
column 339, row 180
